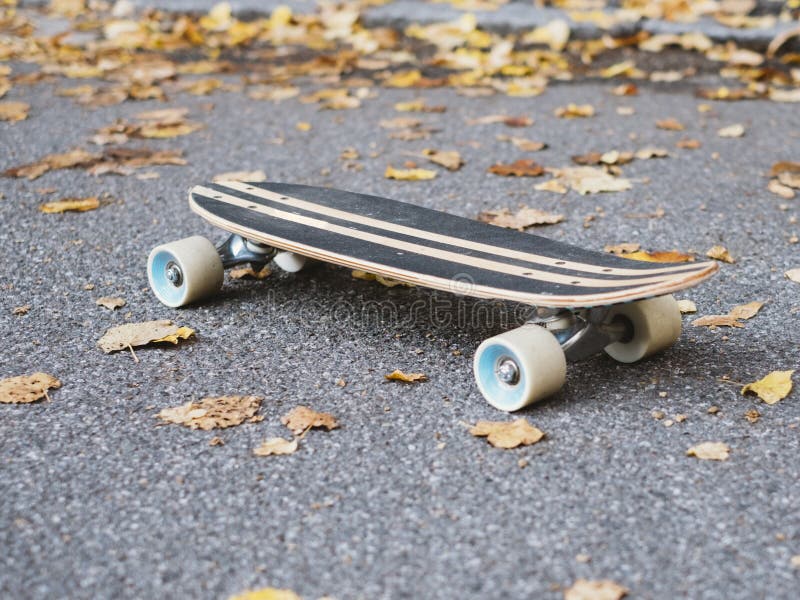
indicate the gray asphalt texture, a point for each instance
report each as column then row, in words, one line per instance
column 98, row 501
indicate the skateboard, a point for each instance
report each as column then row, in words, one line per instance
column 586, row 302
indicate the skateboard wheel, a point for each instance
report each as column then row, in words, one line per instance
column 519, row 367
column 289, row 261
column 655, row 325
column 185, row 271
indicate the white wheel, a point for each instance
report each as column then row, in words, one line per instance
column 185, row 271
column 519, row 367
column 289, row 261
column 655, row 325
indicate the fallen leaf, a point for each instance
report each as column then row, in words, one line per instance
column 522, row 219
column 720, row 253
column 666, row 256
column 784, row 166
column 687, row 307
column 70, row 204
column 793, row 275
column 247, row 176
column 66, row 160
column 266, row 594
column 717, row 321
column 507, row 434
column 523, row 167
column 625, row 89
column 590, row 180
column 522, row 143
column 520, row 121
column 651, row 152
column 731, row 131
column 241, row 272
column 216, row 441
column 276, row 446
column 795, row 561
column 710, row 451
column 408, row 174
column 398, row 375
column 779, row 189
column 403, row 79
column 450, row 159
column 303, row 126
column 790, row 179
column 110, row 303
column 752, row 415
column 400, row 123
column 212, row 413
column 302, row 418
column 746, row 311
column 25, row 389
column 275, row 94
column 670, row 124
column 552, row 185
column 625, row 248
column 688, row 144
column 131, row 335
column 572, row 111
column 773, row 388
column 21, row 310
column 419, row 105
column 603, row 589
column 14, row 111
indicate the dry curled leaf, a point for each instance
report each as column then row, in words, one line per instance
column 110, row 303
column 523, row 167
column 131, row 335
column 247, row 271
column 21, row 310
column 666, row 256
column 25, row 389
column 793, row 275
column 687, row 307
column 746, row 311
column 733, row 318
column 520, row 121
column 70, row 204
column 408, row 174
column 507, row 434
column 14, row 111
column 247, row 176
column 710, row 451
column 603, row 589
column 589, row 180
column 772, row 388
column 572, row 111
column 688, row 144
column 523, row 144
column 212, row 413
column 522, row 219
column 266, row 593
column 398, row 375
column 419, row 105
column 720, row 253
column 651, row 152
column 302, row 418
column 276, row 446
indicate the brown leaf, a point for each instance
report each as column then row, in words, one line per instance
column 241, row 272
column 720, row 253
column 717, row 321
column 666, row 256
column 625, row 89
column 14, row 111
column 212, row 413
column 746, row 311
column 687, row 306
column 398, row 375
column 670, row 124
column 400, row 123
column 773, row 388
column 789, row 179
column 110, row 303
column 625, row 248
column 25, row 389
column 70, row 204
column 418, row 105
column 302, row 418
column 522, row 219
column 21, row 310
column 779, row 189
column 688, row 144
column 710, row 451
column 507, row 434
column 784, row 167
column 590, row 180
column 651, row 152
column 603, row 589
column 131, row 335
column 523, row 167
column 522, row 143
column 276, row 446
column 793, row 275
column 520, row 121
column 66, row 160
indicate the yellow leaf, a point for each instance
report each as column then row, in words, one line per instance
column 772, row 388
column 139, row 334
column 604, row 589
column 181, row 334
column 670, row 125
column 731, row 131
column 14, row 111
column 710, row 451
column 746, row 311
column 25, row 389
column 403, row 79
column 720, row 253
column 793, row 275
column 507, row 434
column 303, row 126
column 687, row 306
column 398, row 375
column 408, row 174
column 555, row 34
column 450, row 159
column 161, row 131
column 572, row 111
column 70, row 204
column 668, row 256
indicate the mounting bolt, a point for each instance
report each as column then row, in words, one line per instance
column 174, row 274
column 508, row 372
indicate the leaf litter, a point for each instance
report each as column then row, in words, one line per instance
column 507, row 434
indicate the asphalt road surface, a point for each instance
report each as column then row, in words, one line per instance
column 98, row 501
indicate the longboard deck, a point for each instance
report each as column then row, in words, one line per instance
column 434, row 249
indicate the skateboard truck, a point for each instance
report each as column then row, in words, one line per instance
column 237, row 250
column 583, row 333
